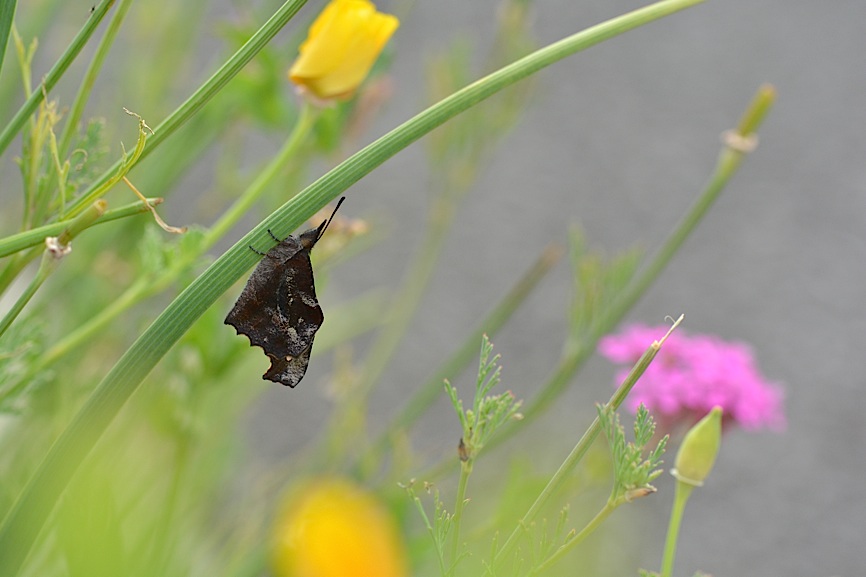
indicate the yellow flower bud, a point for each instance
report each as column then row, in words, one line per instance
column 698, row 451
column 341, row 47
column 333, row 528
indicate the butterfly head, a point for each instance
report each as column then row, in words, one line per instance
column 309, row 238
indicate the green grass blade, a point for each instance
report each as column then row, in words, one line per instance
column 7, row 13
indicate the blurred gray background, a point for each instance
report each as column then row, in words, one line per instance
column 619, row 140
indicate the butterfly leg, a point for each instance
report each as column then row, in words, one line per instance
column 273, row 236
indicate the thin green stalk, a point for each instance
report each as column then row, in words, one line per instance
column 28, row 515
column 77, row 108
column 681, row 496
column 460, row 502
column 33, row 237
column 431, row 390
column 582, row 446
column 595, row 523
column 14, row 266
column 438, row 545
column 46, row 267
column 56, row 248
column 201, row 96
column 50, row 79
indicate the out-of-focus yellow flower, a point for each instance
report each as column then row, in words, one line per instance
column 341, row 47
column 333, row 528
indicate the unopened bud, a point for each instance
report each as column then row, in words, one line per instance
column 698, row 451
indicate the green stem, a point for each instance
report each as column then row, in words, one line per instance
column 438, row 545
column 15, row 265
column 28, row 515
column 460, row 502
column 51, row 258
column 582, row 446
column 201, row 96
column 33, row 237
column 681, row 496
column 757, row 111
column 53, row 76
column 594, row 524
column 46, row 267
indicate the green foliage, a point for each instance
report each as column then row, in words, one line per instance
column 438, row 529
column 488, row 412
column 632, row 472
column 150, row 480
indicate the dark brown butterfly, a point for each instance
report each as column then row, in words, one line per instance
column 278, row 309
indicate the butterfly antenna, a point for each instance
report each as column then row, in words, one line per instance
column 327, row 222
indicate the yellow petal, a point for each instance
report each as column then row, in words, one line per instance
column 342, row 45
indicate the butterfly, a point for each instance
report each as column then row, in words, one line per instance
column 278, row 310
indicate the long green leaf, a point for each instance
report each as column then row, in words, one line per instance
column 7, row 13
column 26, row 519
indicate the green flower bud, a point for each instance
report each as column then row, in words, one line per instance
column 698, row 451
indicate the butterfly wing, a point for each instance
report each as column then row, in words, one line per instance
column 278, row 310
column 255, row 310
column 289, row 372
column 298, row 308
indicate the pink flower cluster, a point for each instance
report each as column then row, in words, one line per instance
column 692, row 374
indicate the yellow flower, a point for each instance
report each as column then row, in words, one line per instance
column 333, row 528
column 341, row 47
